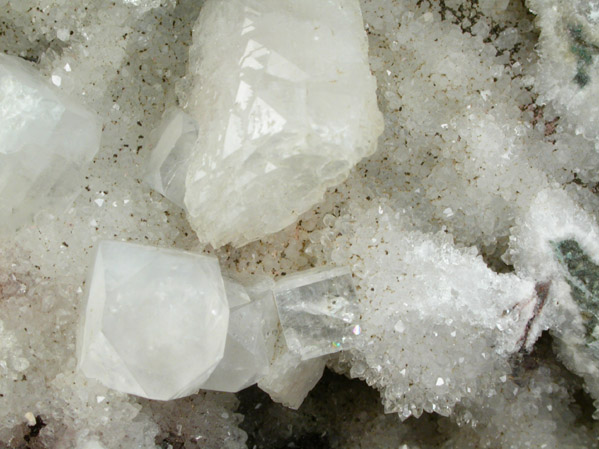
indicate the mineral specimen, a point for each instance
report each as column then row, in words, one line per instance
column 290, row 379
column 563, row 249
column 246, row 356
column 287, row 106
column 319, row 311
column 568, row 67
column 155, row 320
column 467, row 232
column 167, row 167
column 46, row 140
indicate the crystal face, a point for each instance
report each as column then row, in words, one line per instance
column 46, row 140
column 288, row 106
column 155, row 320
column 290, row 379
column 245, row 359
column 167, row 166
column 319, row 311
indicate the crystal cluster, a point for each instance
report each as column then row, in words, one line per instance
column 568, row 68
column 155, row 320
column 161, row 324
column 470, row 234
column 285, row 106
column 46, row 140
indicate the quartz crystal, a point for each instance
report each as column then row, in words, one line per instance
column 155, row 320
column 245, row 359
column 319, row 311
column 287, row 106
column 46, row 140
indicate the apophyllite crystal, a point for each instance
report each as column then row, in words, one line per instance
column 246, row 356
column 46, row 140
column 155, row 320
column 286, row 106
column 319, row 311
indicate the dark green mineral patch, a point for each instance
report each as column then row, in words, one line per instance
column 584, row 52
column 583, row 277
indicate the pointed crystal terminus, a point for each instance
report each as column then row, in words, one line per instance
column 46, row 140
column 155, row 321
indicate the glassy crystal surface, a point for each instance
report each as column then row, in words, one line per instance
column 245, row 359
column 319, row 311
column 290, row 379
column 168, row 163
column 288, row 106
column 46, row 139
column 155, row 322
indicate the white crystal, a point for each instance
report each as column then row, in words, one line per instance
column 168, row 163
column 290, row 379
column 246, row 357
column 46, row 140
column 155, row 320
column 318, row 310
column 287, row 107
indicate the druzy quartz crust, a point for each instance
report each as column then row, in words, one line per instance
column 351, row 224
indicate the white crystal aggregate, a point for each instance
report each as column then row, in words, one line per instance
column 568, row 68
column 286, row 106
column 155, row 320
column 470, row 140
column 46, row 141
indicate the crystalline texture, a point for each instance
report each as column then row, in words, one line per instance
column 45, row 141
column 245, row 359
column 319, row 311
column 155, row 320
column 167, row 167
column 287, row 106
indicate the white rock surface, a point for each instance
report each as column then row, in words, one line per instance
column 246, row 356
column 155, row 320
column 287, row 106
column 319, row 311
column 46, row 140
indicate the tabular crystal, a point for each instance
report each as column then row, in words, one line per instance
column 46, row 140
column 245, row 359
column 319, row 311
column 155, row 320
column 286, row 104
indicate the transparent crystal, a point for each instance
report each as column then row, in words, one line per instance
column 155, row 321
column 169, row 159
column 319, row 311
column 288, row 106
column 46, row 140
column 245, row 359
